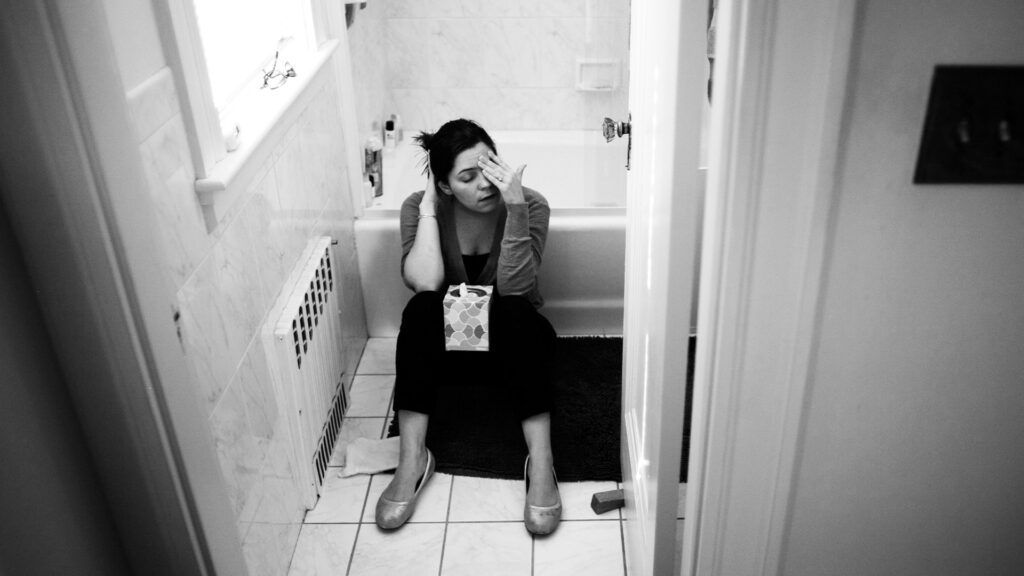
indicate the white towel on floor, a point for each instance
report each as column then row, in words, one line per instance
column 366, row 456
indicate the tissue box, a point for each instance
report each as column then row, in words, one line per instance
column 467, row 311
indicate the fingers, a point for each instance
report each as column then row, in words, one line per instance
column 492, row 171
column 497, row 169
column 497, row 160
column 486, row 164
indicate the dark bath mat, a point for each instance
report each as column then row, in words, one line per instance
column 474, row 433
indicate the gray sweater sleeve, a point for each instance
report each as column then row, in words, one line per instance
column 522, row 246
column 408, row 224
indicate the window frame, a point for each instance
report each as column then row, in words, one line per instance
column 220, row 175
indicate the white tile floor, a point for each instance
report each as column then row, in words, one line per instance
column 462, row 525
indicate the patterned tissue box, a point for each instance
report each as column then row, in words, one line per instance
column 467, row 317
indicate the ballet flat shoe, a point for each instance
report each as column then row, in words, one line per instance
column 391, row 514
column 541, row 520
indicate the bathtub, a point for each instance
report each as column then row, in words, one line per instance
column 582, row 274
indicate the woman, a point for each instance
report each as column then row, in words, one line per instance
column 477, row 225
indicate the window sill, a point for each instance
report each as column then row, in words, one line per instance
column 263, row 125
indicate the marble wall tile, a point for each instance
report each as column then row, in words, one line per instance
column 268, row 238
column 409, row 55
column 601, row 37
column 464, row 53
column 323, row 152
column 598, row 105
column 168, row 147
column 293, row 193
column 280, row 503
column 220, row 312
column 510, row 108
column 268, row 548
column 486, row 8
column 482, row 60
column 418, row 107
column 254, row 377
column 200, row 349
column 280, row 462
column 171, row 184
column 369, row 65
column 608, row 8
column 421, row 8
column 239, row 451
column 554, row 8
column 153, row 103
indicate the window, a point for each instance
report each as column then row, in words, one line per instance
column 219, row 50
column 241, row 37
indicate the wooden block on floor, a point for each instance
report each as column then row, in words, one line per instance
column 609, row 500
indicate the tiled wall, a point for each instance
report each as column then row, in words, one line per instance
column 369, row 65
column 510, row 64
column 227, row 282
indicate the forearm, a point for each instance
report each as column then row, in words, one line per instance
column 520, row 258
column 424, row 267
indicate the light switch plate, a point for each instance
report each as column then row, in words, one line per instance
column 974, row 128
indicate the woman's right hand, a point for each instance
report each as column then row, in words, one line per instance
column 428, row 204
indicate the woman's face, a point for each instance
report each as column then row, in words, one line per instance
column 469, row 185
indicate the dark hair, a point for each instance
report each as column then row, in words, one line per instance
column 450, row 140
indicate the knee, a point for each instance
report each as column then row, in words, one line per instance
column 517, row 315
column 421, row 306
column 513, row 308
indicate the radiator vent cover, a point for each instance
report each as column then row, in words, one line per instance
column 304, row 344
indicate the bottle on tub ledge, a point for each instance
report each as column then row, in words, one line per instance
column 392, row 131
column 373, row 186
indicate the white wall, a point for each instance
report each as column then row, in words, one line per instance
column 136, row 41
column 912, row 461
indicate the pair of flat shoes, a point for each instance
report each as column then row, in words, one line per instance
column 539, row 520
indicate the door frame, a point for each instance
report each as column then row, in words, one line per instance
column 780, row 89
column 72, row 181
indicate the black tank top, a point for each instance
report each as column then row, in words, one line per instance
column 474, row 264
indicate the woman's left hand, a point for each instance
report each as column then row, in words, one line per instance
column 508, row 181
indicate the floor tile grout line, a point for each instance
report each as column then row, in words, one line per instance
column 533, row 554
column 622, row 540
column 292, row 559
column 359, row 527
column 447, row 514
column 352, row 552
